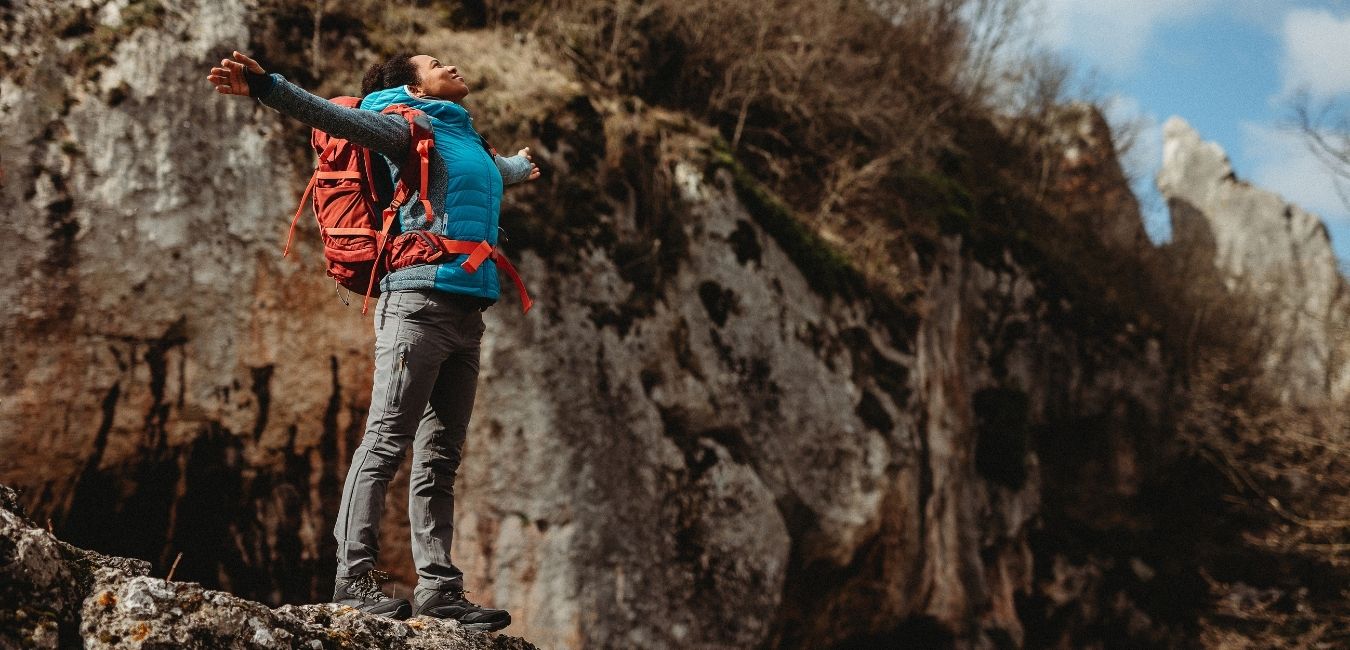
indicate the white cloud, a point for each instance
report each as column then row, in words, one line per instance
column 1112, row 35
column 1284, row 164
column 1316, row 52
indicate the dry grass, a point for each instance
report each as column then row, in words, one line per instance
column 1286, row 469
column 516, row 84
column 1286, row 472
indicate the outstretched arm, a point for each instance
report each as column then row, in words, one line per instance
column 518, row 168
column 242, row 76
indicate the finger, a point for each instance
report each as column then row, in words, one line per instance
column 247, row 62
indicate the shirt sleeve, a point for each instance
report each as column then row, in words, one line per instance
column 385, row 134
column 514, row 169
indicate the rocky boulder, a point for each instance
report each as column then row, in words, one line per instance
column 55, row 595
column 1268, row 252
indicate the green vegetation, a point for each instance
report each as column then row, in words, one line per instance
column 827, row 270
column 939, row 200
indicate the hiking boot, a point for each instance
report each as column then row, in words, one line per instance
column 363, row 593
column 451, row 604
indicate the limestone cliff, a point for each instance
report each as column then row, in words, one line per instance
column 1274, row 253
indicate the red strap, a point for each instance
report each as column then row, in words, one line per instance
column 424, row 153
column 372, row 196
column 338, row 175
column 326, row 156
column 382, row 237
column 351, row 231
column 298, row 211
column 504, row 264
column 476, row 257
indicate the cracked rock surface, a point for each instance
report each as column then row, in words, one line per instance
column 54, row 595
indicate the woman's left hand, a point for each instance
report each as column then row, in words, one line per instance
column 534, row 169
column 228, row 77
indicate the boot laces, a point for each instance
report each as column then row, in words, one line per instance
column 368, row 585
column 459, row 596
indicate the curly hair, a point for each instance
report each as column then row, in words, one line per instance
column 397, row 70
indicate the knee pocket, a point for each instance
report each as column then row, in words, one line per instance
column 400, row 376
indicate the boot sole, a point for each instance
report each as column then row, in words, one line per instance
column 403, row 612
column 477, row 627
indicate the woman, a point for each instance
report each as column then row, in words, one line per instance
column 428, row 323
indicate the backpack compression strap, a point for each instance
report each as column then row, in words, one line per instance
column 325, row 157
column 383, row 239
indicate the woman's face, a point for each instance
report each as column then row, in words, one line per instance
column 439, row 80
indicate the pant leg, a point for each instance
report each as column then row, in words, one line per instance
column 437, row 452
column 410, row 346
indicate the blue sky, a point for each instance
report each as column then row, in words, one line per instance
column 1230, row 68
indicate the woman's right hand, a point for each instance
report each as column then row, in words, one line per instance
column 228, row 77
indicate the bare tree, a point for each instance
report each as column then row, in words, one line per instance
column 1326, row 129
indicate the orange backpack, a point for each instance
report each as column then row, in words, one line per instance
column 354, row 230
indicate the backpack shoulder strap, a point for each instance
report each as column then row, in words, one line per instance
column 420, row 144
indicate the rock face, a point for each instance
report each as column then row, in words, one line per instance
column 1089, row 184
column 152, row 309
column 56, row 595
column 694, row 440
column 1275, row 254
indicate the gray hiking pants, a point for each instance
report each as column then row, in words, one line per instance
column 426, row 374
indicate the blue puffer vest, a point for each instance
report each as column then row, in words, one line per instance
column 473, row 196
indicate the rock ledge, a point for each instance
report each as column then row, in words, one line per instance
column 55, row 595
